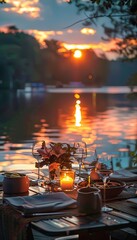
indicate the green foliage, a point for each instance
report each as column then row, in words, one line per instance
column 133, row 155
column 56, row 153
column 20, row 54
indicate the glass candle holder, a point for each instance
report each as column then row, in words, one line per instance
column 67, row 179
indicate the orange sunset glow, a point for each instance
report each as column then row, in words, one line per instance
column 67, row 74
column 30, row 8
column 85, row 38
column 33, row 10
column 77, row 54
column 99, row 47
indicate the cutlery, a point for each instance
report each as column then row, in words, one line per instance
column 46, row 214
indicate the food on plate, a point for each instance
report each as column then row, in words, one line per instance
column 109, row 184
column 13, row 175
column 112, row 189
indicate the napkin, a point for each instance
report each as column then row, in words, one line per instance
column 133, row 200
column 124, row 175
column 49, row 202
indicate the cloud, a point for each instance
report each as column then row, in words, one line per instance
column 62, row 1
column 70, row 31
column 43, row 35
column 27, row 7
column 88, row 31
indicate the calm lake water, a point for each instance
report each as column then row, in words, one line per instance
column 105, row 120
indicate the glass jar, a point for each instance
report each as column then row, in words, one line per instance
column 67, row 179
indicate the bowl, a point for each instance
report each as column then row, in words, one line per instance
column 15, row 183
column 113, row 188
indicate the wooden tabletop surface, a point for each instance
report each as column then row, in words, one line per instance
column 124, row 214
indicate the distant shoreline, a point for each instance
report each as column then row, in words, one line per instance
column 68, row 89
column 106, row 89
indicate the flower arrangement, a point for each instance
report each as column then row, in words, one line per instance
column 57, row 154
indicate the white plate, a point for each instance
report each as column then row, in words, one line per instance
column 124, row 175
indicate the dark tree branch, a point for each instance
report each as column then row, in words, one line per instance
column 99, row 16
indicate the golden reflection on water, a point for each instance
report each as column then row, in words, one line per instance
column 78, row 114
column 110, row 127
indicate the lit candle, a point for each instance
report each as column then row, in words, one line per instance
column 66, row 183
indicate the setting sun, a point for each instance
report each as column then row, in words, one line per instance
column 77, row 54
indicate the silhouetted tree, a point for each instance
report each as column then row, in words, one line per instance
column 123, row 18
column 20, row 57
column 12, row 29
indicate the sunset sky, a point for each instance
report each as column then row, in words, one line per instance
column 54, row 19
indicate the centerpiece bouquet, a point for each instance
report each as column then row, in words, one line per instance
column 56, row 155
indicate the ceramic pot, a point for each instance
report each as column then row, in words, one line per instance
column 15, row 185
column 89, row 200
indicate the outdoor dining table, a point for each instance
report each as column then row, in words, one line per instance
column 14, row 226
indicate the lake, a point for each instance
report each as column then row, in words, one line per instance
column 106, row 120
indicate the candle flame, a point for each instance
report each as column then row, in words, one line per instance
column 67, row 178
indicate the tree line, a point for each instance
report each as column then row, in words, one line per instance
column 22, row 60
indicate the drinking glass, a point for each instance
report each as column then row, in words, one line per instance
column 104, row 172
column 37, row 145
column 80, row 154
column 91, row 161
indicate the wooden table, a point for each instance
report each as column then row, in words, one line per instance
column 86, row 226
column 124, row 215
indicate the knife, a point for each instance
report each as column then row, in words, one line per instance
column 47, row 214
